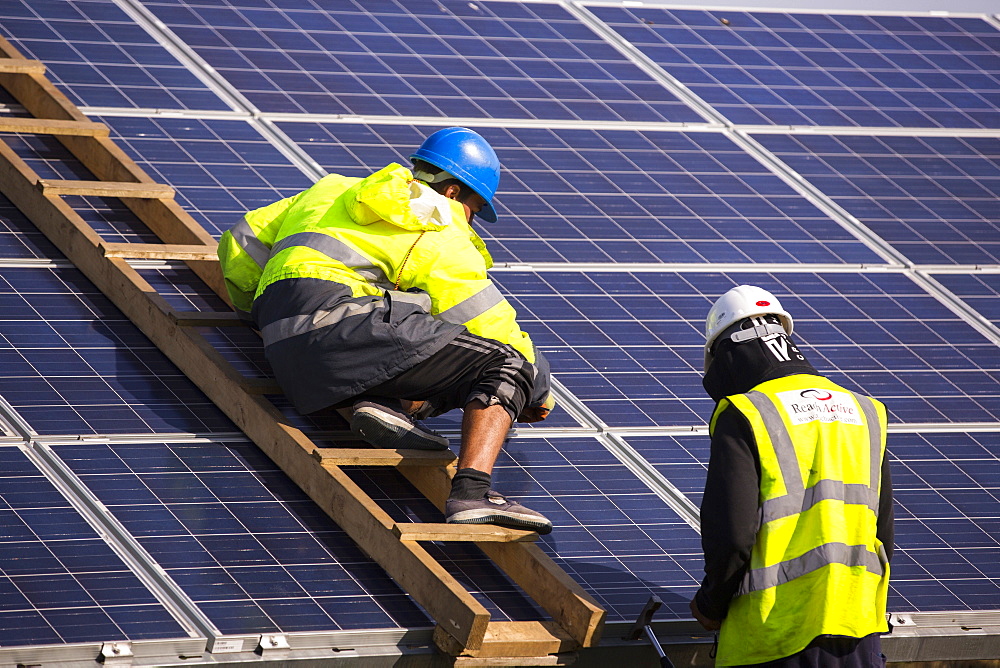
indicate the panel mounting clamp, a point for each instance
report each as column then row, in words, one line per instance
column 118, row 653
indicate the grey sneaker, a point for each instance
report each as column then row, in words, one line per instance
column 495, row 508
column 386, row 425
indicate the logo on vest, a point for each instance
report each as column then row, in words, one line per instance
column 804, row 406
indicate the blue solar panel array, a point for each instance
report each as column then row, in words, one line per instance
column 100, row 57
column 596, row 171
column 618, row 195
column 410, row 58
column 629, row 345
column 980, row 291
column 60, row 582
column 776, row 68
column 933, row 198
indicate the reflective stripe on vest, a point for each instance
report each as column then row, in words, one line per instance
column 473, row 306
column 286, row 328
column 245, row 238
column 336, row 250
column 797, row 499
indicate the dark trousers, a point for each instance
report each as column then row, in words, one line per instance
column 470, row 367
column 834, row 652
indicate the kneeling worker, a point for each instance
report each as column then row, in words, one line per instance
column 797, row 514
column 371, row 295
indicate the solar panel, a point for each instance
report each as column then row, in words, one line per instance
column 577, row 195
column 257, row 556
column 220, row 169
column 629, row 344
column 73, row 364
column 19, row 238
column 980, row 291
column 60, row 582
column 933, row 198
column 778, row 68
column 447, row 59
column 99, row 56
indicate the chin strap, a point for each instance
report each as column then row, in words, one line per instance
column 758, row 331
column 427, row 177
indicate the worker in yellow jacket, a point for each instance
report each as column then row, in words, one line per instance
column 797, row 520
column 372, row 296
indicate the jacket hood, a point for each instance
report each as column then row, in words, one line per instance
column 739, row 367
column 394, row 196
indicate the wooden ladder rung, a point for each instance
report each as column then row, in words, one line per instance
column 106, row 189
column 21, row 66
column 161, row 251
column 208, row 319
column 47, row 126
column 462, row 533
column 512, row 640
column 382, row 457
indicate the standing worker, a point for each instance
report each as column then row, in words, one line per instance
column 797, row 513
column 372, row 297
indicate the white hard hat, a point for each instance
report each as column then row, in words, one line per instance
column 743, row 301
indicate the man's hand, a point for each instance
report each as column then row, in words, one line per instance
column 538, row 413
column 706, row 623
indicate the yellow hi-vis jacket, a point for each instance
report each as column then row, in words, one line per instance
column 386, row 232
column 817, row 566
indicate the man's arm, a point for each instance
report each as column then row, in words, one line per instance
column 885, row 531
column 729, row 513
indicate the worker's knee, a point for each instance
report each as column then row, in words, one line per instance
column 507, row 381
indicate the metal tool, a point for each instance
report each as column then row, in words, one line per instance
column 641, row 627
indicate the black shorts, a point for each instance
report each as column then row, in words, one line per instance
column 470, row 367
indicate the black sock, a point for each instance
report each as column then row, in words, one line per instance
column 470, row 484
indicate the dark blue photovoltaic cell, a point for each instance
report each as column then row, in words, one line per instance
column 98, row 56
column 59, row 581
column 980, row 291
column 256, row 555
column 219, row 169
column 933, row 198
column 242, row 541
column 71, row 363
column 630, row 345
column 19, row 238
column 815, row 69
column 617, row 195
column 947, row 493
column 410, row 58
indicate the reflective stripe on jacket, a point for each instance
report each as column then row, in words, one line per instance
column 816, row 566
column 382, row 233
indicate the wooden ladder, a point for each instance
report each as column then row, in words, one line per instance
column 464, row 629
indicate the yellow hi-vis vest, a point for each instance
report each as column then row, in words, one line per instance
column 817, row 566
column 365, row 234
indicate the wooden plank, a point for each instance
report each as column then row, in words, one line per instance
column 21, row 66
column 53, row 187
column 44, row 126
column 261, row 386
column 462, row 533
column 513, row 639
column 525, row 563
column 368, row 525
column 208, row 319
column 162, row 251
column 382, row 457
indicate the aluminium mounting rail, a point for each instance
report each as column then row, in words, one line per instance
column 464, row 629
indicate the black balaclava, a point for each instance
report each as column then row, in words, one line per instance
column 739, row 367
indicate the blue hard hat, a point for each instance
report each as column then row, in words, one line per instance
column 468, row 157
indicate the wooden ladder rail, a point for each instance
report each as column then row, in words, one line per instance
column 463, row 624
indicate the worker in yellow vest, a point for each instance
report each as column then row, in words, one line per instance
column 372, row 297
column 797, row 520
